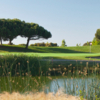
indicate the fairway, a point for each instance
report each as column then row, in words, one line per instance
column 71, row 53
column 72, row 56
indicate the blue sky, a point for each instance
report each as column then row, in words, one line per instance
column 76, row 21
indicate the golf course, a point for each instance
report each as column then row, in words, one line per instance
column 72, row 53
column 50, row 50
column 64, row 65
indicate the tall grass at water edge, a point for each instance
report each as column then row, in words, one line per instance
column 23, row 74
column 16, row 68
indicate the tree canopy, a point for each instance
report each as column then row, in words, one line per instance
column 63, row 43
column 97, row 34
column 34, row 32
column 11, row 28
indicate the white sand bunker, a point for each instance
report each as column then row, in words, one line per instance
column 37, row 96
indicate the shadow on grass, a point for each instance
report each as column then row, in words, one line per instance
column 16, row 48
column 57, row 50
column 37, row 49
column 96, row 57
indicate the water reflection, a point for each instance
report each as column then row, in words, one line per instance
column 72, row 86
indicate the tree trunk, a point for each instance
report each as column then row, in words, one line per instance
column 10, row 42
column 27, row 43
column 1, row 40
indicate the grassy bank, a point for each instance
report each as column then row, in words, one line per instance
column 23, row 81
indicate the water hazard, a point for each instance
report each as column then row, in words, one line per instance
column 87, row 87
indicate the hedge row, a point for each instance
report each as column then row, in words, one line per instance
column 22, row 44
column 44, row 44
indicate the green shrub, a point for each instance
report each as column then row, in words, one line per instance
column 32, row 45
column 44, row 44
column 87, row 43
column 11, row 44
column 35, row 44
column 95, row 42
column 22, row 44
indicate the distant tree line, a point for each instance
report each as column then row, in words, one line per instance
column 78, row 44
column 11, row 28
column 44, row 44
column 96, row 39
column 87, row 43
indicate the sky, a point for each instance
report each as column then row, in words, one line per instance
column 75, row 21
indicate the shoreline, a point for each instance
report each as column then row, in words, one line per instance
column 67, row 60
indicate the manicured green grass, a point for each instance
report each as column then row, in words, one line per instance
column 71, row 56
column 74, row 49
column 74, row 53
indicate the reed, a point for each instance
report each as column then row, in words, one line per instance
column 22, row 75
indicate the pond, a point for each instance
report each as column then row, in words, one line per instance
column 74, row 86
column 87, row 86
